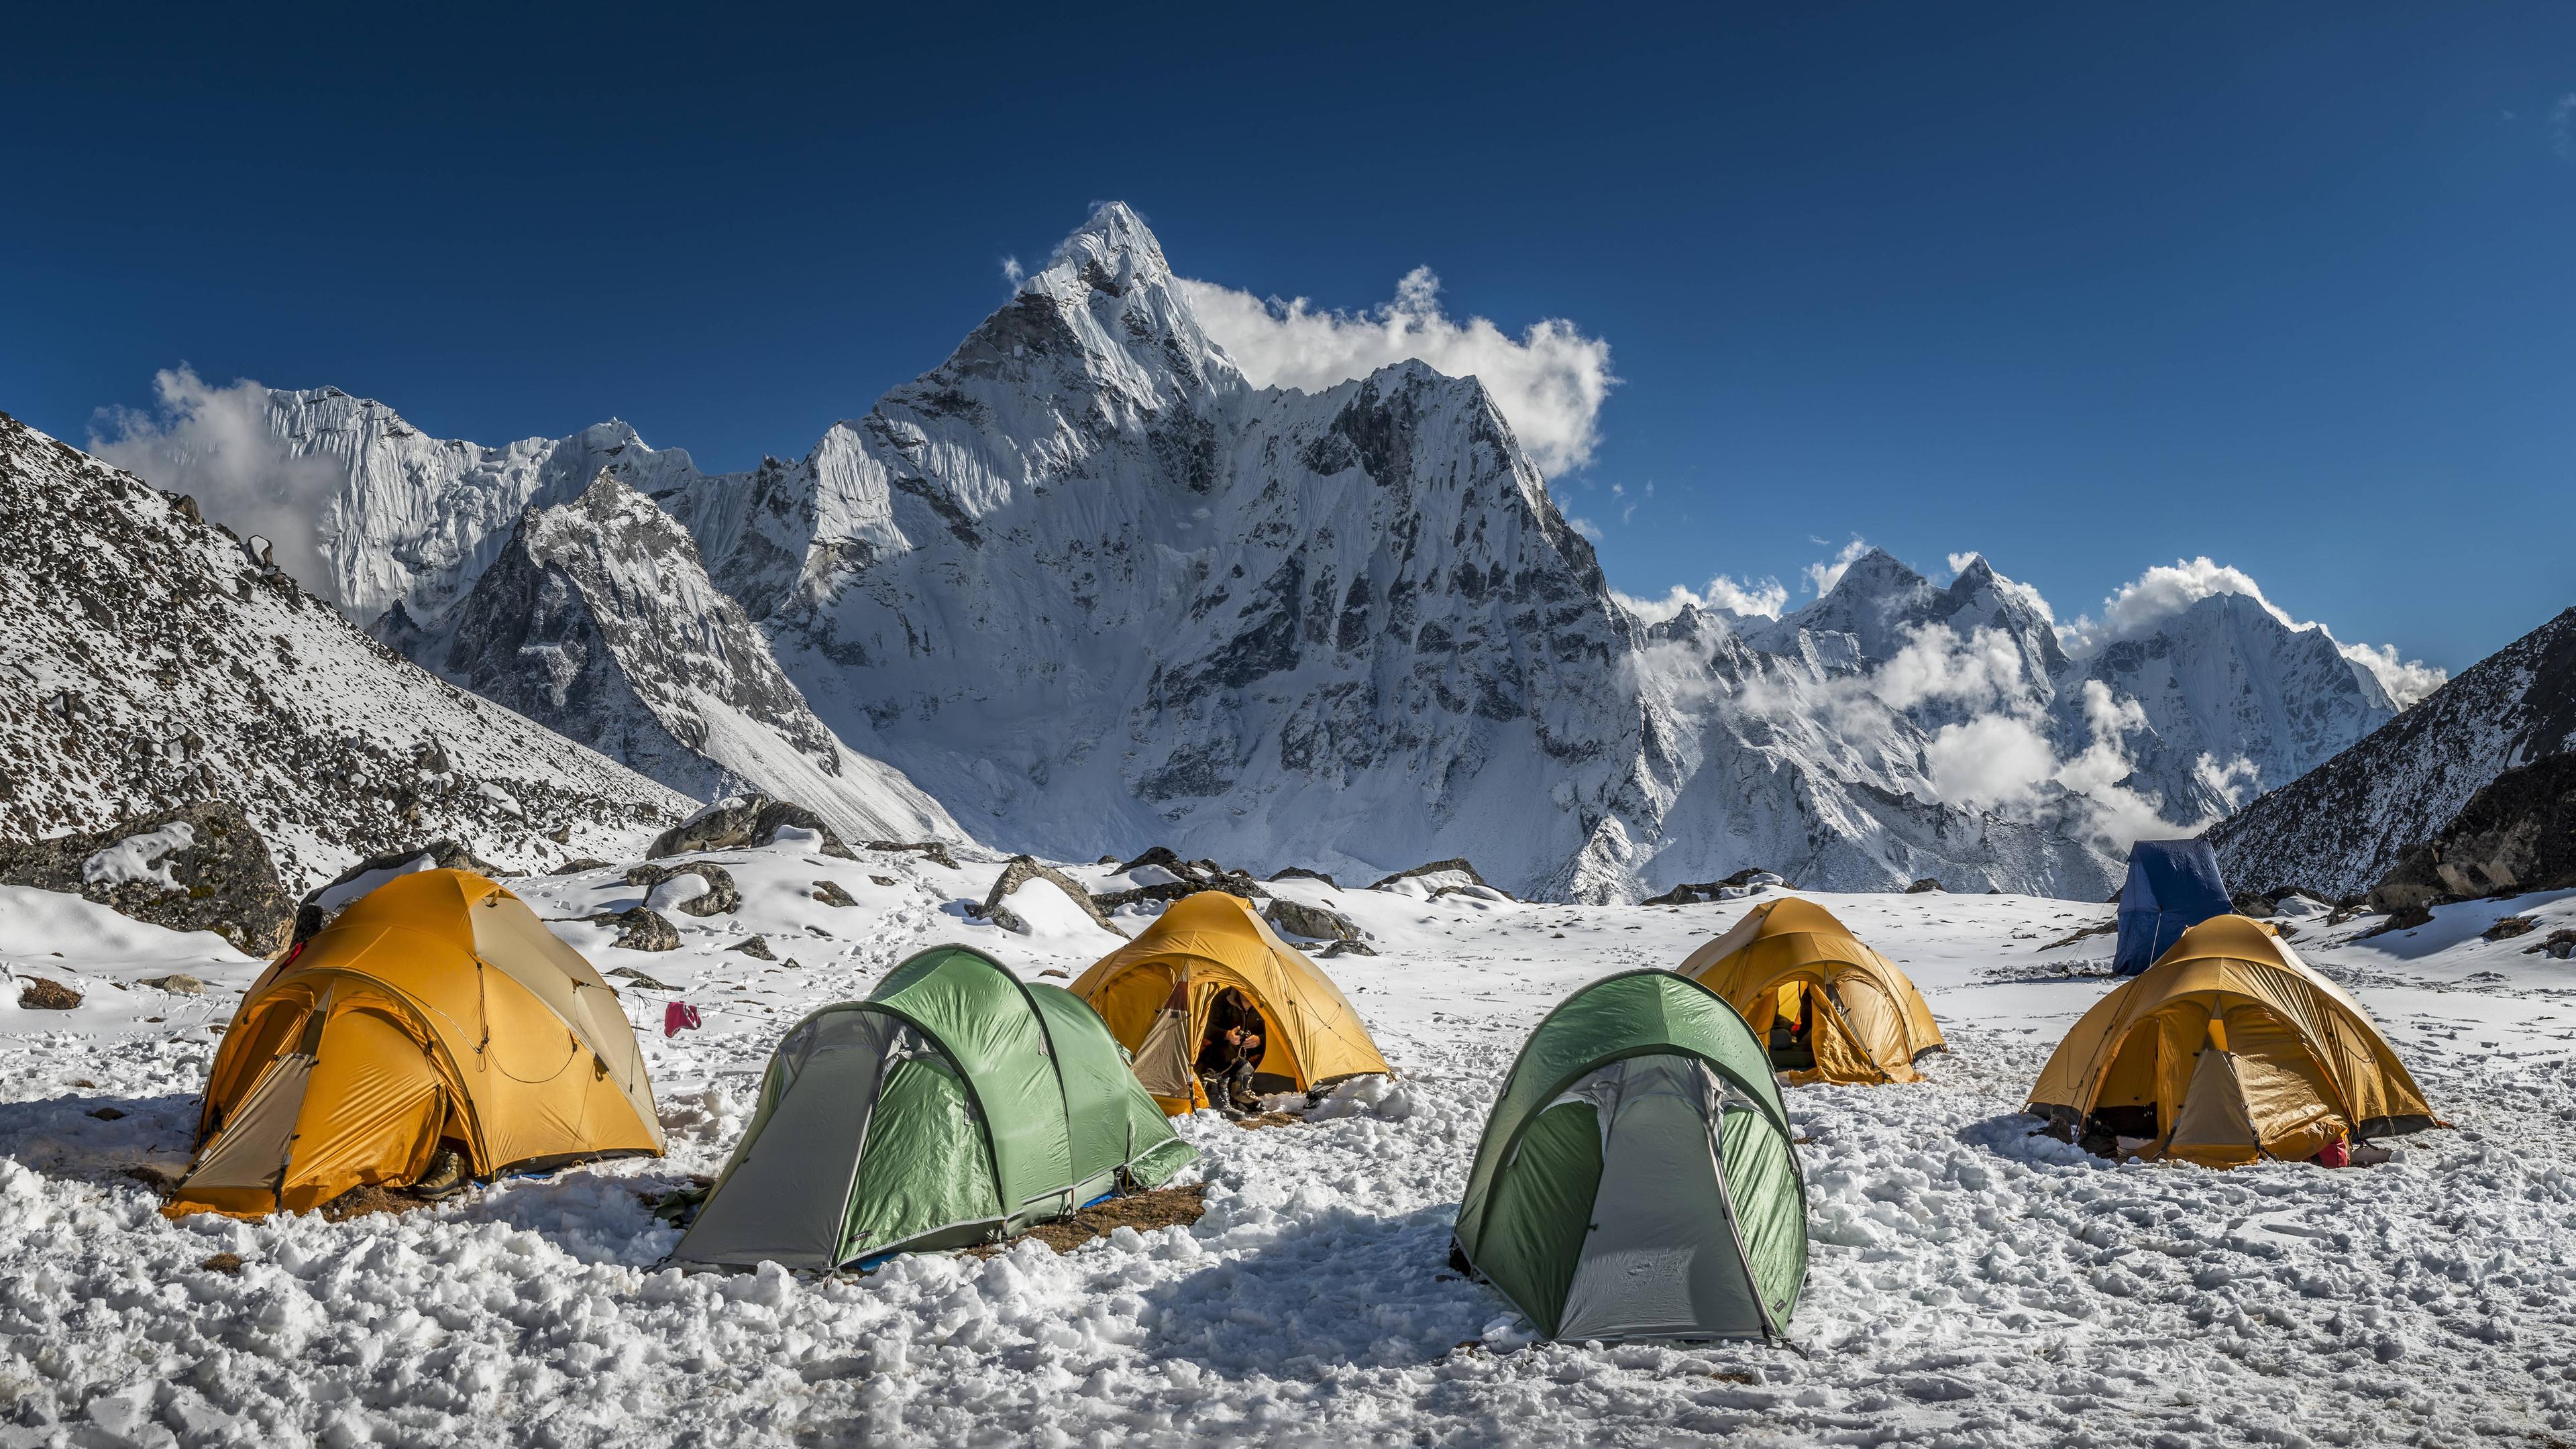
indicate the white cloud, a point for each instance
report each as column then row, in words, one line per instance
column 214, row 443
column 1722, row 594
column 1549, row 384
column 1584, row 526
column 2405, row 680
column 1823, row 574
column 1013, row 273
column 2562, row 127
column 2168, row 589
column 1984, row 668
column 1992, row 762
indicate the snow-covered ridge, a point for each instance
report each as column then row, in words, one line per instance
column 1091, row 590
column 153, row 663
column 2342, row 826
column 598, row 621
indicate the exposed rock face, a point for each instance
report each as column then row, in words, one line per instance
column 198, row 868
column 155, row 665
column 744, row 820
column 1925, row 886
column 641, row 928
column 1020, row 872
column 1312, row 922
column 2516, row 835
column 2342, row 827
column 720, row 897
column 598, row 621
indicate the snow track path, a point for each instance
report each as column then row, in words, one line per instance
column 1973, row 1284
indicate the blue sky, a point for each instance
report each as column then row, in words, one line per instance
column 2087, row 289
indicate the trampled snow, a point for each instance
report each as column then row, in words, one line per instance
column 1973, row 1283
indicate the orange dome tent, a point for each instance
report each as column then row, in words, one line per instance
column 436, row 1009
column 1156, row 990
column 2228, row 1049
column 1830, row 1008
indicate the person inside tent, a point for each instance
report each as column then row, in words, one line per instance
column 1793, row 1032
column 1229, row 1052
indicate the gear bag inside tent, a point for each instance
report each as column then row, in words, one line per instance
column 1637, row 1178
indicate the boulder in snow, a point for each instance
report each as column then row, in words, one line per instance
column 719, row 896
column 740, row 821
column 1315, row 923
column 640, row 929
column 1020, row 872
column 198, row 868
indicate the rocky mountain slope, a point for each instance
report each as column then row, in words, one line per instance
column 1091, row 590
column 154, row 663
column 597, row 620
column 2339, row 828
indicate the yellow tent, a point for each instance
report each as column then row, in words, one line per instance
column 2229, row 1048
column 1156, row 990
column 1832, row 1009
column 437, row 1009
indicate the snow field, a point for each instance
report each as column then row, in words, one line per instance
column 1972, row 1283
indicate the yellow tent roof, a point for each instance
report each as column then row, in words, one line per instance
column 436, row 1006
column 1212, row 939
column 2302, row 1061
column 1878, row 1022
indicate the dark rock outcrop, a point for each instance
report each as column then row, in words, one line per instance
column 2515, row 835
column 720, row 898
column 1020, row 872
column 640, row 929
column 1459, row 864
column 1315, row 923
column 1926, row 886
column 931, row 850
column 198, row 868
column 743, row 821
column 1742, row 883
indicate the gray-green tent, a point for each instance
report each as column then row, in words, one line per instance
column 1637, row 1178
column 957, row 1104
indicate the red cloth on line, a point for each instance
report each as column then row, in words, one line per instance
column 678, row 1017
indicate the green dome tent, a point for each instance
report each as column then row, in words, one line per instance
column 957, row 1104
column 1636, row 1178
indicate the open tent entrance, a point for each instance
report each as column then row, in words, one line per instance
column 1168, row 992
column 1193, row 1013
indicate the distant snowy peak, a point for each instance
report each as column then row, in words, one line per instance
column 1095, row 368
column 417, row 518
column 2340, row 827
column 598, row 620
column 154, row 663
column 1880, row 605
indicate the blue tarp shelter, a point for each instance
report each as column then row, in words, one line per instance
column 2173, row 886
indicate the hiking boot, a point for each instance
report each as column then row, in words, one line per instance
column 446, row 1176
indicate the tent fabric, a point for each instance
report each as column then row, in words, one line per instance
column 956, row 1104
column 1792, row 956
column 437, row 1008
column 1636, row 1177
column 1202, row 945
column 2172, row 886
column 2228, row 1049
